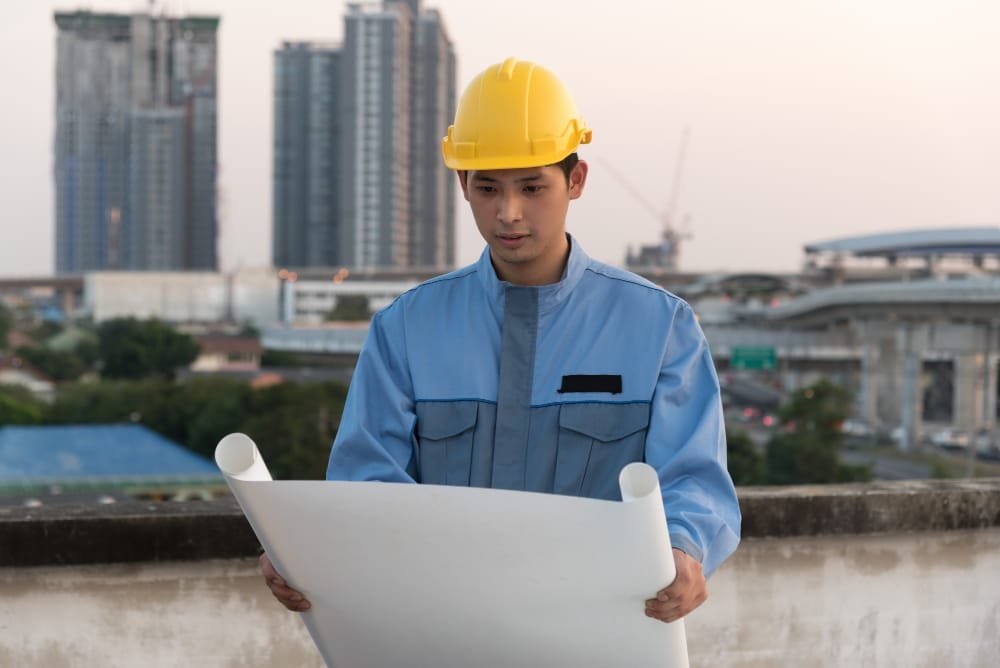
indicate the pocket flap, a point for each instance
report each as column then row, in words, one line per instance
column 604, row 422
column 445, row 419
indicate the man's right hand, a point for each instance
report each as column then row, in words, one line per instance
column 288, row 597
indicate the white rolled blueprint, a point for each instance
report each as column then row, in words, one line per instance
column 451, row 577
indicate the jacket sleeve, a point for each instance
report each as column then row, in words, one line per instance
column 686, row 444
column 375, row 437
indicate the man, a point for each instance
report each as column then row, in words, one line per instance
column 538, row 368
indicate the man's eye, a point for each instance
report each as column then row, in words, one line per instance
column 485, row 189
column 533, row 190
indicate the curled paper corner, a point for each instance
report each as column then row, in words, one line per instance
column 637, row 481
column 237, row 457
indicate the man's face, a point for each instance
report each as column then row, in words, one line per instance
column 521, row 214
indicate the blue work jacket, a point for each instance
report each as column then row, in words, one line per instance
column 470, row 380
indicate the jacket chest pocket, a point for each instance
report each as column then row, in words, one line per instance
column 445, row 435
column 595, row 442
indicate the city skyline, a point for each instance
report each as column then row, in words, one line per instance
column 808, row 121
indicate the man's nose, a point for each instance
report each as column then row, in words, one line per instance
column 509, row 210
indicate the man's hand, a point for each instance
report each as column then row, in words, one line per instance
column 287, row 596
column 685, row 593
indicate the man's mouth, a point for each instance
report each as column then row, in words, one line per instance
column 512, row 241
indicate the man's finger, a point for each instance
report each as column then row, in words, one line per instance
column 664, row 607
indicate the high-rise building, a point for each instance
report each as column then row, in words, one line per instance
column 393, row 94
column 306, row 149
column 432, row 188
column 135, row 142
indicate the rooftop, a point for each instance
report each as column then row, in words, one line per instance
column 887, row 574
column 963, row 240
column 91, row 453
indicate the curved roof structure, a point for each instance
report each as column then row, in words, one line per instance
column 932, row 296
column 959, row 240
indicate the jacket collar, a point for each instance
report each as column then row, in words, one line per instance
column 549, row 296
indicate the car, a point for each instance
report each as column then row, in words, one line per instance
column 950, row 439
column 987, row 445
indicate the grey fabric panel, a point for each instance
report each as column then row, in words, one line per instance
column 482, row 452
column 595, row 442
column 573, row 449
column 541, row 455
column 517, row 362
column 445, row 433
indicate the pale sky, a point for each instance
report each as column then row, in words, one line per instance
column 809, row 119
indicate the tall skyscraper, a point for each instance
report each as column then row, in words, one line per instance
column 393, row 94
column 432, row 234
column 135, row 144
column 306, row 153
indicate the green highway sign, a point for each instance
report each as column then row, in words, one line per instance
column 753, row 358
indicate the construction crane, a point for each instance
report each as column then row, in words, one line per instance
column 665, row 255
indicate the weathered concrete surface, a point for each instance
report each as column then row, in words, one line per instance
column 910, row 505
column 124, row 533
column 924, row 600
column 194, row 530
column 203, row 613
column 913, row 600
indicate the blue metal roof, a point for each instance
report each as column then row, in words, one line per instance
column 960, row 240
column 90, row 452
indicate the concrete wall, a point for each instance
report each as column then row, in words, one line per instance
column 887, row 574
column 916, row 600
column 928, row 599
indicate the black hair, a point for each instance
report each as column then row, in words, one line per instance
column 567, row 164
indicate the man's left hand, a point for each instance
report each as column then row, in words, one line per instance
column 684, row 594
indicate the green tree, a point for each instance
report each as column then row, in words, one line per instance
column 293, row 424
column 279, row 358
column 56, row 364
column 350, row 307
column 746, row 464
column 6, row 321
column 819, row 408
column 809, row 450
column 17, row 406
column 131, row 348
column 45, row 330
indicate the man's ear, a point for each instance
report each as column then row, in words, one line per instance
column 463, row 181
column 578, row 179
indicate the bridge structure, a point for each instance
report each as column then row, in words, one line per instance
column 924, row 348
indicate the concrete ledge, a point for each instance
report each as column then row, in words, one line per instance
column 904, row 506
column 196, row 530
column 124, row 532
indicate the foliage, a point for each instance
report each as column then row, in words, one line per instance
column 351, row 307
column 279, row 358
column 820, row 408
column 940, row 470
column 134, row 349
column 746, row 464
column 46, row 329
column 6, row 321
column 293, row 424
column 809, row 451
column 56, row 364
column 17, row 406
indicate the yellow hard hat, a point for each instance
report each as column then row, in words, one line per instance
column 514, row 114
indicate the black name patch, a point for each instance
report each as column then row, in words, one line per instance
column 585, row 383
